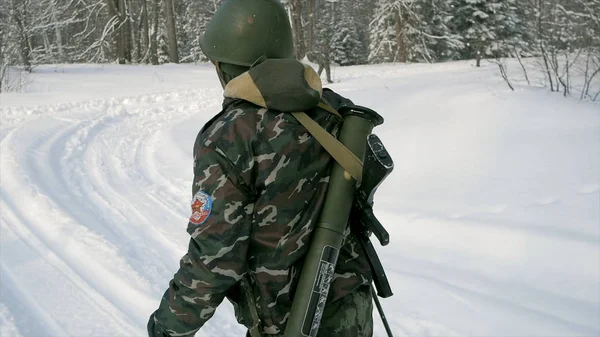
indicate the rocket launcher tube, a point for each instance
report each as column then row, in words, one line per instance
column 319, row 266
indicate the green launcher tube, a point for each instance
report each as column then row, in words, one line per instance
column 319, row 266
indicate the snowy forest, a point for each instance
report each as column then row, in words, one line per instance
column 560, row 33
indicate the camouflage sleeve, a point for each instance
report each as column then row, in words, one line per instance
column 216, row 259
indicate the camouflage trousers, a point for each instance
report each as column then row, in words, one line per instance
column 350, row 316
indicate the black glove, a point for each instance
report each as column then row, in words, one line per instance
column 154, row 330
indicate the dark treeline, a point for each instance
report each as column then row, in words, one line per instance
column 347, row 32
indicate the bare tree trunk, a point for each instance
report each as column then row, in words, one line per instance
column 589, row 81
column 310, row 10
column 555, row 67
column 540, row 9
column 503, row 73
column 545, row 58
column 586, row 75
column 3, row 74
column 3, row 62
column 596, row 65
column 401, row 54
column 58, row 35
column 171, row 31
column 517, row 53
column 316, row 17
column 567, row 66
column 127, row 36
column 19, row 15
column 47, row 46
column 124, row 33
column 154, row 33
column 297, row 28
column 135, row 25
column 116, row 36
column 145, row 32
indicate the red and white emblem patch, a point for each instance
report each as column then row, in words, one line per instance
column 201, row 208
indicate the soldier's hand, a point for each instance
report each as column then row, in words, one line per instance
column 154, row 330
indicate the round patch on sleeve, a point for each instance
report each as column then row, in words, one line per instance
column 201, row 208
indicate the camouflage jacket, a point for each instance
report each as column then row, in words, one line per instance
column 259, row 184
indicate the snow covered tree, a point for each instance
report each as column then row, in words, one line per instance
column 193, row 17
column 346, row 48
column 296, row 10
column 484, row 25
column 326, row 12
column 348, row 43
column 20, row 19
column 154, row 32
column 4, row 44
column 437, row 41
column 413, row 30
column 119, row 18
column 387, row 38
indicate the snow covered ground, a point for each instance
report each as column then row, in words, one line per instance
column 493, row 207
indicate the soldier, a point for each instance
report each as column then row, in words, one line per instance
column 322, row 60
column 259, row 184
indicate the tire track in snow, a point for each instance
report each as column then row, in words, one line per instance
column 88, row 256
column 44, row 182
column 172, row 183
column 83, row 170
column 115, row 172
column 70, row 170
column 38, row 314
column 50, row 177
column 41, row 258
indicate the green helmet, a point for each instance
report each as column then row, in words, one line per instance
column 242, row 31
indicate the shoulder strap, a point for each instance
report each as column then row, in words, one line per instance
column 329, row 109
column 346, row 158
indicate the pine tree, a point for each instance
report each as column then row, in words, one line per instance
column 439, row 42
column 193, row 17
column 484, row 24
column 347, row 45
column 385, row 33
column 325, row 22
column 413, row 30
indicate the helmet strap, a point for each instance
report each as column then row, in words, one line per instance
column 220, row 74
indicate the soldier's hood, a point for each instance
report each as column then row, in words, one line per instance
column 280, row 84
